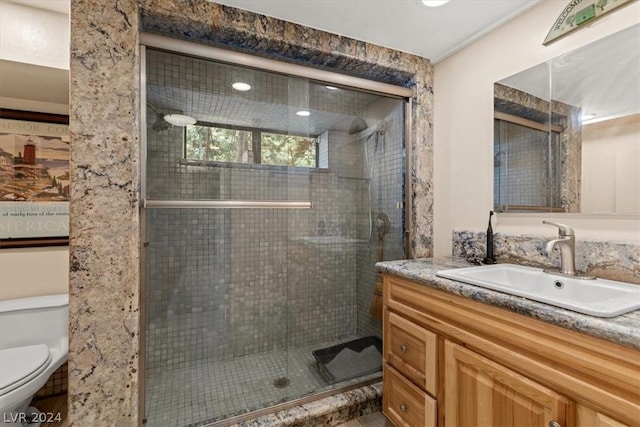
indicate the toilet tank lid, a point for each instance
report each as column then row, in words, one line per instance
column 34, row 302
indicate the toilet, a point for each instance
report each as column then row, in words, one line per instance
column 33, row 344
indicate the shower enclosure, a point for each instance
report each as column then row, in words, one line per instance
column 526, row 168
column 266, row 208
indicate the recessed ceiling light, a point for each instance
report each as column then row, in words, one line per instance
column 331, row 87
column 241, row 86
column 180, row 120
column 303, row 113
column 434, row 3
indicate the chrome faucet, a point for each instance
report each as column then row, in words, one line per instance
column 566, row 241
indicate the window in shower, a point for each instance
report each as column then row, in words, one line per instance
column 219, row 143
column 238, row 298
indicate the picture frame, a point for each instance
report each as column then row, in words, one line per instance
column 34, row 179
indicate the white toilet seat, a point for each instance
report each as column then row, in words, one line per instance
column 20, row 364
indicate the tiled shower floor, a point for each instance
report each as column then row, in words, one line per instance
column 204, row 393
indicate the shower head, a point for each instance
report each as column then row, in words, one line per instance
column 160, row 124
column 357, row 125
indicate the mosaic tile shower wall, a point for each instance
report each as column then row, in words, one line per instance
column 523, row 174
column 227, row 283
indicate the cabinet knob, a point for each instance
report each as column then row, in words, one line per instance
column 404, row 408
column 403, row 348
column 554, row 424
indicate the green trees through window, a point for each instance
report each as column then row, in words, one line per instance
column 288, row 150
column 222, row 144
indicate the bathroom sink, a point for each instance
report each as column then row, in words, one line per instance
column 599, row 297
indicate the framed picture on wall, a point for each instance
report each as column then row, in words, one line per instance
column 34, row 179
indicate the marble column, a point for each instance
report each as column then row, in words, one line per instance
column 104, row 228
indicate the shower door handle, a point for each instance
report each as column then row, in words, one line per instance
column 227, row 204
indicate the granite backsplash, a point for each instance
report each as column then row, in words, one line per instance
column 608, row 260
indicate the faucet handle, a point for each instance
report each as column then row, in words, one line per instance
column 563, row 230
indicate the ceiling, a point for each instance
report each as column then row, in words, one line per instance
column 404, row 25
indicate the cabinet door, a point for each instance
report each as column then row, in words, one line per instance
column 480, row 392
column 404, row 403
column 412, row 350
column 587, row 417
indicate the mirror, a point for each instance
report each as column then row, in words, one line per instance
column 567, row 132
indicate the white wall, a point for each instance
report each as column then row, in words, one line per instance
column 34, row 36
column 463, row 125
column 40, row 37
column 34, row 42
column 32, row 272
column 611, row 166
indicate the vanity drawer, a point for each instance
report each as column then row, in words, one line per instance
column 412, row 350
column 404, row 403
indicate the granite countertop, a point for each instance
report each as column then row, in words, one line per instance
column 624, row 329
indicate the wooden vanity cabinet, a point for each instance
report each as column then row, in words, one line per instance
column 404, row 403
column 450, row 361
column 409, row 372
column 480, row 392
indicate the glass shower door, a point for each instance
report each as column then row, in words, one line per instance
column 263, row 220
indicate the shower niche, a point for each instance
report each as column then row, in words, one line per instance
column 261, row 230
